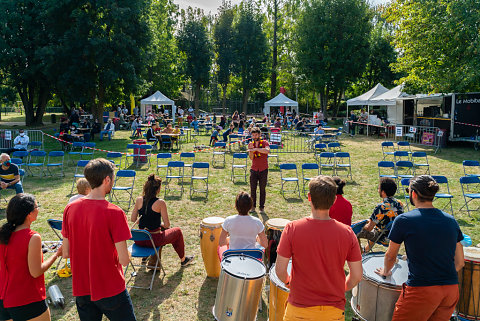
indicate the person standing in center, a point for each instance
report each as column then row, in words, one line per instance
column 95, row 232
column 258, row 151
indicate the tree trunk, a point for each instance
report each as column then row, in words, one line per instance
column 101, row 100
column 25, row 92
column 224, row 99
column 324, row 100
column 273, row 78
column 246, row 92
column 197, row 99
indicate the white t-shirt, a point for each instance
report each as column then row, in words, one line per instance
column 75, row 197
column 243, row 230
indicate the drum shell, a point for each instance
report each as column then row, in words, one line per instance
column 277, row 298
column 209, row 237
column 468, row 305
column 237, row 298
column 274, row 233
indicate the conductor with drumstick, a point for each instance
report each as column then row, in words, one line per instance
column 258, row 151
column 434, row 253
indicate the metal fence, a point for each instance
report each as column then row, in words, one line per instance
column 417, row 135
column 7, row 136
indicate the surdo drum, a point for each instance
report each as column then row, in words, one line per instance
column 468, row 306
column 210, row 230
column 274, row 227
column 278, row 294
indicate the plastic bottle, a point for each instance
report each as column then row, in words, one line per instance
column 56, row 296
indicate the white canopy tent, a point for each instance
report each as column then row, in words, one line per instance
column 278, row 101
column 394, row 106
column 364, row 99
column 158, row 99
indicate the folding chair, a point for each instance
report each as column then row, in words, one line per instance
column 200, row 172
column 471, row 168
column 285, row 178
column 19, row 155
column 137, row 251
column 309, row 168
column 55, row 159
column 113, row 156
column 327, row 162
column 80, row 165
column 146, row 151
column 328, row 137
column 387, row 166
column 88, row 150
column 405, row 182
column 242, row 157
column 334, row 147
column 75, row 149
column 400, row 155
column 470, row 194
column 132, row 153
column 442, row 180
column 343, row 162
column 318, row 149
column 404, row 146
column 17, row 161
column 163, row 156
column 387, row 149
column 187, row 156
column 219, row 154
column 166, row 141
column 56, row 226
column 274, row 147
column 36, row 160
column 35, row 145
column 124, row 181
column 21, row 172
column 179, row 167
column 420, row 161
column 404, row 169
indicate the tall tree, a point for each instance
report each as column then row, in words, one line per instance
column 195, row 45
column 438, row 43
column 24, row 55
column 251, row 50
column 223, row 37
column 332, row 44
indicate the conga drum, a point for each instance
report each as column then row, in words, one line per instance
column 374, row 298
column 468, row 306
column 274, row 227
column 210, row 230
column 278, row 295
column 239, row 288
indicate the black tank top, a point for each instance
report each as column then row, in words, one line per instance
column 149, row 219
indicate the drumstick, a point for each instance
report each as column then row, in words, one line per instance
column 136, row 222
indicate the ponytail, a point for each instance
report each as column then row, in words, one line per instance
column 17, row 211
column 5, row 232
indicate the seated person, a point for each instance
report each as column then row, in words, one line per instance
column 176, row 131
column 341, row 209
column 168, row 129
column 214, row 136
column 229, row 131
column 223, row 121
column 122, row 122
column 278, row 123
column 108, row 129
column 151, row 134
column 20, row 142
column 9, row 175
column 83, row 189
column 96, row 129
column 384, row 213
column 194, row 124
column 319, row 130
column 242, row 229
column 150, row 211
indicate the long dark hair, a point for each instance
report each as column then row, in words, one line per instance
column 150, row 188
column 17, row 211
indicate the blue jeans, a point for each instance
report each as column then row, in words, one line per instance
column 103, row 132
column 17, row 187
column 116, row 308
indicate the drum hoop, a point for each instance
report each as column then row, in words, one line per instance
column 246, row 278
column 210, row 227
column 355, row 310
column 381, row 284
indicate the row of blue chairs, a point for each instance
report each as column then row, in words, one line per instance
column 36, row 161
column 388, row 148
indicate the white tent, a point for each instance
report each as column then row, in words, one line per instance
column 388, row 98
column 158, row 99
column 278, row 101
column 364, row 99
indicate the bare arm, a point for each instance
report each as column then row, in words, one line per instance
column 355, row 275
column 136, row 208
column 223, row 238
column 66, row 248
column 35, row 265
column 122, row 250
column 161, row 206
column 369, row 226
column 390, row 259
column 264, row 150
column 281, row 268
column 459, row 259
column 262, row 237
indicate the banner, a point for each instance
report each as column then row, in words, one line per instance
column 398, row 131
column 428, row 139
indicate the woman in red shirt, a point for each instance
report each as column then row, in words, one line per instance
column 22, row 284
column 341, row 209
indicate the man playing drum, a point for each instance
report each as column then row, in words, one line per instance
column 319, row 247
column 435, row 254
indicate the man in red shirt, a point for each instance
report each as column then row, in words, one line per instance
column 319, row 247
column 258, row 151
column 95, row 233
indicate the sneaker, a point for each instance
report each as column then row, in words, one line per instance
column 188, row 260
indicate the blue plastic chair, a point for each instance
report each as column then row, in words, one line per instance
column 189, row 157
column 318, row 149
column 420, row 161
column 404, row 169
column 334, row 147
column 387, row 149
column 405, row 182
column 309, row 171
column 343, row 162
column 80, row 166
column 399, row 155
column 137, row 251
column 327, row 162
column 17, row 161
column 35, row 145
column 442, row 180
column 146, row 151
column 403, row 145
column 241, row 165
column 55, row 159
column 270, row 155
column 124, row 182
column 132, row 153
column 36, row 160
column 200, row 172
column 88, row 150
column 75, row 149
column 175, row 172
column 56, row 226
column 163, row 156
column 470, row 193
column 19, row 155
column 217, row 153
column 286, row 177
column 383, row 166
column 471, row 168
column 113, row 156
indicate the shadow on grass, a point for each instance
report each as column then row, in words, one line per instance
column 293, row 199
column 173, row 197
column 206, row 299
column 462, row 222
column 240, row 183
column 199, row 199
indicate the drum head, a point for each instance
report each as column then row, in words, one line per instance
column 472, row 253
column 243, row 267
column 213, row 221
column 278, row 223
column 274, row 278
column 373, row 261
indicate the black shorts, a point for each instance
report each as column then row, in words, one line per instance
column 23, row 312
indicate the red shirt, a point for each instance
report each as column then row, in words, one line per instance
column 260, row 160
column 92, row 228
column 318, row 250
column 17, row 286
column 341, row 210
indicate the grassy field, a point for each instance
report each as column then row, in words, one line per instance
column 187, row 294
column 20, row 117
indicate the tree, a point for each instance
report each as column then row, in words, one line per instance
column 195, row 45
column 251, row 50
column 438, row 43
column 24, row 55
column 223, row 37
column 332, row 45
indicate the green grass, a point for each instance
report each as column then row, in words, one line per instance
column 187, row 294
column 20, row 118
